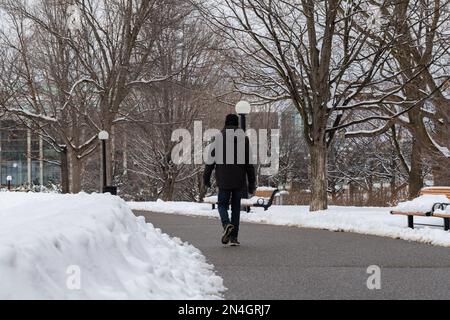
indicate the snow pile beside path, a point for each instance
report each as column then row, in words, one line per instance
column 421, row 204
column 93, row 247
column 364, row 220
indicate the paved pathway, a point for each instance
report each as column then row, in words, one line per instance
column 276, row 262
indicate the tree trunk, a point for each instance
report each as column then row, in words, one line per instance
column 112, row 151
column 440, row 162
column 168, row 190
column 109, row 155
column 64, row 171
column 318, row 158
column 75, row 173
column 370, row 191
column 125, row 155
column 441, row 174
column 200, row 187
column 334, row 196
column 352, row 193
column 393, row 181
column 415, row 179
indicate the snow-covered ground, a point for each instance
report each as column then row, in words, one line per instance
column 364, row 220
column 93, row 247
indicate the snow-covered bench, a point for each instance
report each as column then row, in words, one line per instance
column 432, row 202
column 263, row 197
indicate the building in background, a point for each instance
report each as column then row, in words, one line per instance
column 26, row 157
column 293, row 157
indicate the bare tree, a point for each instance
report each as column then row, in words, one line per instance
column 420, row 63
column 306, row 52
column 75, row 80
column 176, row 104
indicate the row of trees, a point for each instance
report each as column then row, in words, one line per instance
column 369, row 79
column 73, row 68
column 359, row 67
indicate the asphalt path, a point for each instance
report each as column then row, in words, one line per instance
column 290, row 263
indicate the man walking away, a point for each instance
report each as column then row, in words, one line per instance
column 235, row 175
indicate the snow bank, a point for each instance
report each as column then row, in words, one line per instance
column 421, row 204
column 364, row 220
column 93, row 247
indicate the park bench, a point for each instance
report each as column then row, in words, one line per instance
column 263, row 198
column 437, row 210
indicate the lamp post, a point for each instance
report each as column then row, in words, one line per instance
column 242, row 109
column 8, row 181
column 103, row 136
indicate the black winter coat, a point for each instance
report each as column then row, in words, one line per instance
column 235, row 175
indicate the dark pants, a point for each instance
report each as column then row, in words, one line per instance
column 227, row 196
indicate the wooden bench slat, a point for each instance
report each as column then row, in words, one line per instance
column 445, row 191
column 419, row 214
column 263, row 194
column 441, row 215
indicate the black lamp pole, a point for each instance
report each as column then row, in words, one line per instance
column 242, row 109
column 243, row 124
column 8, row 182
column 103, row 136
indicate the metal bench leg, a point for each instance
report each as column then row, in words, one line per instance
column 213, row 206
column 446, row 224
column 411, row 222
